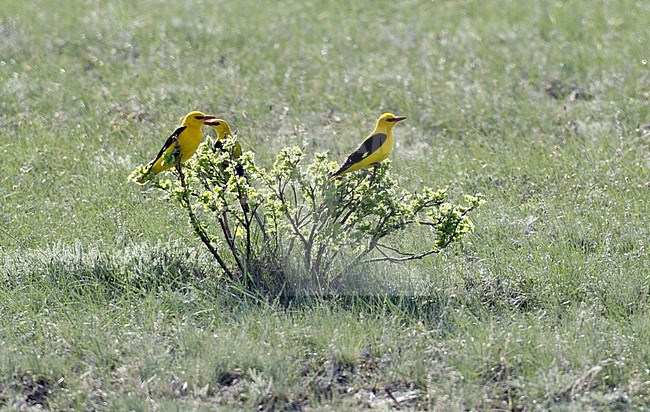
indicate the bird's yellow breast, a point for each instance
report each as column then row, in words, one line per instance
column 381, row 153
column 189, row 141
column 385, row 149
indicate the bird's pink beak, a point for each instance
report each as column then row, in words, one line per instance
column 398, row 118
column 207, row 118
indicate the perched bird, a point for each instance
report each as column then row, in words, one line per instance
column 375, row 148
column 222, row 129
column 184, row 142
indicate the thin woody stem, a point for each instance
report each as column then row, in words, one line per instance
column 197, row 226
column 392, row 259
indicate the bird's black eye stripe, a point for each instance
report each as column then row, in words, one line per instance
column 390, row 119
column 199, row 117
column 217, row 123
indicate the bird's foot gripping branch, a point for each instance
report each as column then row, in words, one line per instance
column 294, row 228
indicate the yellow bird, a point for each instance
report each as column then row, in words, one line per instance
column 222, row 129
column 184, row 141
column 375, row 148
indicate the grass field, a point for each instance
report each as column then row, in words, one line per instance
column 109, row 302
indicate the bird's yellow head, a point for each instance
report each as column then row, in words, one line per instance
column 220, row 126
column 196, row 119
column 389, row 120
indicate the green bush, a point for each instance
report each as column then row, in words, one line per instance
column 294, row 228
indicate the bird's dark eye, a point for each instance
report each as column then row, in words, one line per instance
column 199, row 117
column 217, row 123
column 390, row 119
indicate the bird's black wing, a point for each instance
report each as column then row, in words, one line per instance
column 368, row 147
column 170, row 141
column 239, row 169
column 218, row 146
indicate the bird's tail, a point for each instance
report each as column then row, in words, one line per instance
column 142, row 174
column 338, row 173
